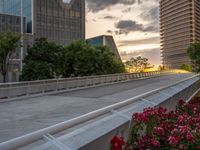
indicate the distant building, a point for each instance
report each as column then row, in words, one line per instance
column 105, row 40
column 180, row 26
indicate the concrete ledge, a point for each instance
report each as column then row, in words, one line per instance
column 97, row 135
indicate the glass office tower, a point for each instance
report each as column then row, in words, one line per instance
column 53, row 19
column 13, row 7
column 58, row 21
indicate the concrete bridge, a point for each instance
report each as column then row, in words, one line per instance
column 23, row 115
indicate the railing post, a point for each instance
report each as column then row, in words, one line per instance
column 28, row 88
column 44, row 87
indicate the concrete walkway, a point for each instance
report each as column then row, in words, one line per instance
column 24, row 116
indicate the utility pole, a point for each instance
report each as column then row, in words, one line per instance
column 22, row 38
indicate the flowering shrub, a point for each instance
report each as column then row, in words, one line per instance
column 117, row 143
column 157, row 128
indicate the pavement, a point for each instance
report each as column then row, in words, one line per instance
column 21, row 117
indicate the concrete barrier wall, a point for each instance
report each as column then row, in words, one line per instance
column 26, row 89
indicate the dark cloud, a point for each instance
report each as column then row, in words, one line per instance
column 127, row 26
column 110, row 31
column 94, row 20
column 139, row 42
column 110, row 17
column 151, row 16
column 126, row 10
column 97, row 5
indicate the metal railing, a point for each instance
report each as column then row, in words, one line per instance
column 42, row 87
column 38, row 135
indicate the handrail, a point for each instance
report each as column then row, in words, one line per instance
column 12, row 91
column 38, row 135
column 71, row 78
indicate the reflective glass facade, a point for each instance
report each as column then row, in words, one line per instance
column 96, row 41
column 13, row 7
column 105, row 40
column 59, row 22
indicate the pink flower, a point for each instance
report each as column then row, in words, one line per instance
column 180, row 119
column 181, row 147
column 173, row 140
column 190, row 137
column 184, row 129
column 174, row 132
column 159, row 130
column 181, row 102
column 155, row 143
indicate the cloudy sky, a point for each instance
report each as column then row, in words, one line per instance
column 133, row 23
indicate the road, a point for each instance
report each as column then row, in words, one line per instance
column 24, row 116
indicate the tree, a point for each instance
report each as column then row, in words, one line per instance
column 186, row 67
column 82, row 59
column 194, row 54
column 43, row 61
column 46, row 60
column 138, row 64
column 161, row 68
column 9, row 41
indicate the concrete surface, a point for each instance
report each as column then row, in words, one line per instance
column 24, row 116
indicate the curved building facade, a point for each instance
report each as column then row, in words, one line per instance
column 180, row 26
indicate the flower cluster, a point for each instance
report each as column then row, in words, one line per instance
column 157, row 128
column 117, row 143
column 179, row 129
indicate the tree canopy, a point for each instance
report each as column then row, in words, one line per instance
column 186, row 67
column 194, row 54
column 46, row 60
column 138, row 64
column 9, row 41
column 43, row 60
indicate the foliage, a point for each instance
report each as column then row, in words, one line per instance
column 161, row 68
column 82, row 59
column 157, row 128
column 186, row 67
column 8, row 44
column 46, row 60
column 139, row 64
column 42, row 61
column 194, row 54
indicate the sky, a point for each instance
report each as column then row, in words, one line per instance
column 134, row 25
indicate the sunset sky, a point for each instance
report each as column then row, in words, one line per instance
column 134, row 25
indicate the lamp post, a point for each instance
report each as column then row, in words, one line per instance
column 22, row 38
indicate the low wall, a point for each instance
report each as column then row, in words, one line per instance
column 38, row 88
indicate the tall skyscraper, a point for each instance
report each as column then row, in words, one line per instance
column 180, row 26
